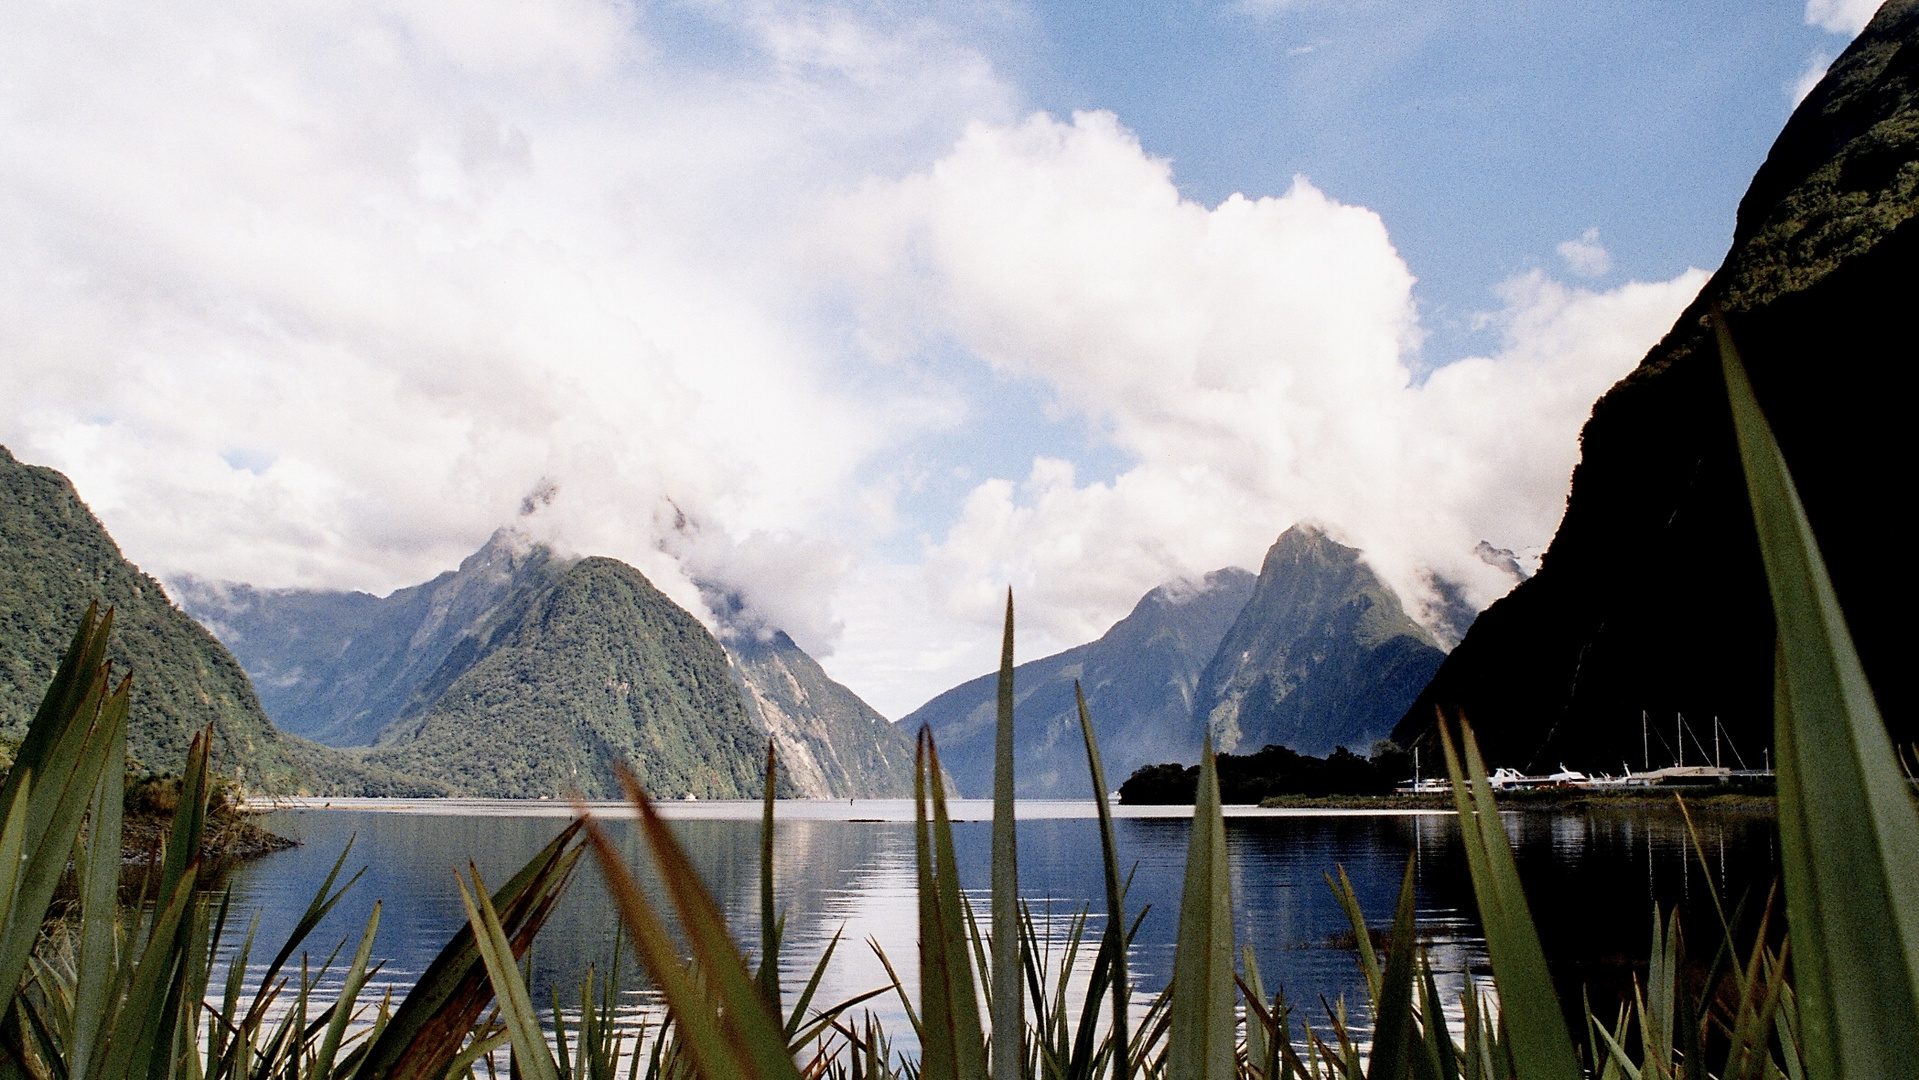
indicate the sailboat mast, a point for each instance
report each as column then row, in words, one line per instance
column 1645, row 742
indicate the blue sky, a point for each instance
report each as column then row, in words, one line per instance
column 1484, row 133
column 861, row 311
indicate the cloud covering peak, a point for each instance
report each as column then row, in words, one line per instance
column 322, row 294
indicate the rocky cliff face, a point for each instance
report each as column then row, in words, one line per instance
column 1139, row 680
column 1651, row 598
column 338, row 667
column 1322, row 655
column 831, row 743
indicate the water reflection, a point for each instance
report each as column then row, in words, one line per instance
column 1591, row 876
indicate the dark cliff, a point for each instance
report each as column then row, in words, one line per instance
column 1651, row 598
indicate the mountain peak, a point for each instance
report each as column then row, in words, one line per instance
column 1138, row 678
column 1323, row 654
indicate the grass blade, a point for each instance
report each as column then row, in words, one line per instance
column 952, row 1045
column 1200, row 1044
column 1849, row 836
column 1362, row 938
column 1393, row 1009
column 1540, row 1046
column 1009, row 1013
column 349, row 994
column 1115, row 890
column 754, row 1033
column 769, row 976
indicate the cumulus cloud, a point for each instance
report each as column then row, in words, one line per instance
column 321, row 294
column 1846, row 17
column 1252, row 358
column 1586, row 256
column 315, row 294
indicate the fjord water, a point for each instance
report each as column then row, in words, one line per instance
column 1591, row 876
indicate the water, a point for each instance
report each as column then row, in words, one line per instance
column 847, row 868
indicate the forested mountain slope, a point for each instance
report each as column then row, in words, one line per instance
column 599, row 668
column 338, row 667
column 55, row 559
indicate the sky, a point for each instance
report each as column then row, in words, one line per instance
column 858, row 313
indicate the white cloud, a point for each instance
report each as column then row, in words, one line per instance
column 1586, row 256
column 1846, row 17
column 317, row 294
column 1251, row 357
column 1816, row 66
column 314, row 294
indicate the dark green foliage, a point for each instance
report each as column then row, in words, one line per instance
column 55, row 560
column 1652, row 595
column 338, row 667
column 1323, row 654
column 124, row 994
column 599, row 669
column 1275, row 770
column 1139, row 680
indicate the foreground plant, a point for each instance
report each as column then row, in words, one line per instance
column 118, row 992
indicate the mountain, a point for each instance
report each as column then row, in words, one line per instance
column 1652, row 599
column 347, row 667
column 1322, row 655
column 831, row 743
column 599, row 667
column 338, row 667
column 55, row 559
column 1139, row 680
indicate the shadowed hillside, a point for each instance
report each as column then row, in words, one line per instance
column 1651, row 599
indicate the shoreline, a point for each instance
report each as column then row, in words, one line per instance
column 1538, row 800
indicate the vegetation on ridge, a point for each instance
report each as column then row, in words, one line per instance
column 599, row 669
column 1273, row 772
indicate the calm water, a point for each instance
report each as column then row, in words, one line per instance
column 848, row 868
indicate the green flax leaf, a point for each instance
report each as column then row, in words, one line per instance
column 1200, row 1043
column 1541, row 1048
column 1009, row 1014
column 769, row 920
column 532, row 1058
column 1393, row 1028
column 952, row 1045
column 1115, row 890
column 1849, row 837
column 755, row 1035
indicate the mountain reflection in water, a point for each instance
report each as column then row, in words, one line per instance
column 1591, row 877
